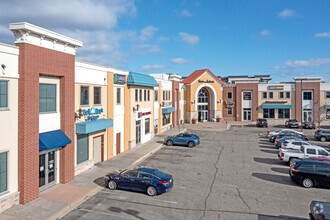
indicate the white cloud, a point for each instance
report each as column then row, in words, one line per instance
column 147, row 33
column 186, row 13
column 150, row 68
column 324, row 34
column 265, row 32
column 302, row 64
column 286, row 13
column 181, row 61
column 163, row 39
column 189, row 38
column 144, row 49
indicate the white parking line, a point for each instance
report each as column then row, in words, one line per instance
column 173, row 202
column 180, row 187
column 104, row 213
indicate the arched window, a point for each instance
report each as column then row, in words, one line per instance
column 203, row 96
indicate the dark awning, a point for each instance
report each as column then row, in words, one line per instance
column 275, row 106
column 53, row 139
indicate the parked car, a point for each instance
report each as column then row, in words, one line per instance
column 308, row 124
column 322, row 135
column 284, row 140
column 271, row 133
column 319, row 210
column 261, row 122
column 293, row 135
column 284, row 132
column 310, row 173
column 151, row 181
column 292, row 123
column 190, row 140
column 288, row 155
column 294, row 144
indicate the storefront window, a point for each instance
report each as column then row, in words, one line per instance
column 84, row 95
column 166, row 119
column 156, row 95
column 229, row 95
column 328, row 114
column 145, row 95
column 82, row 148
column 97, row 95
column 230, row 111
column 307, row 95
column 47, row 97
column 147, row 126
column 247, row 96
column 3, row 94
column 281, row 95
column 3, row 172
column 271, row 95
column 140, row 95
column 287, row 95
column 284, row 113
column 264, row 95
column 148, row 95
column 136, row 95
column 268, row 113
column 118, row 96
column 327, row 95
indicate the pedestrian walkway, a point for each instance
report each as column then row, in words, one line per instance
column 60, row 199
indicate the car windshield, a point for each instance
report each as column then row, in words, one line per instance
column 159, row 174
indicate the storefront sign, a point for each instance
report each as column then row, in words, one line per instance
column 141, row 114
column 207, row 81
column 275, row 87
column 119, row 79
column 91, row 113
column 230, row 104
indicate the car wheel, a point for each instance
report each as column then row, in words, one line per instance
column 169, row 143
column 323, row 139
column 151, row 191
column 291, row 161
column 307, row 183
column 191, row 144
column 112, row 185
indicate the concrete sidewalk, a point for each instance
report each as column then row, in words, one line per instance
column 57, row 201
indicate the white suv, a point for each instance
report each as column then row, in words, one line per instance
column 294, row 144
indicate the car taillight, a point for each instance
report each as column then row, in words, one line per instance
column 306, row 137
column 268, row 132
column 294, row 171
column 317, row 133
column 277, row 142
column 265, row 121
column 162, row 182
column 282, row 154
column 285, row 145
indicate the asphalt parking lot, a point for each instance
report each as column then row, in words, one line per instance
column 232, row 174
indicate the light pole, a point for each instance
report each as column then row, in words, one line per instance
column 302, row 115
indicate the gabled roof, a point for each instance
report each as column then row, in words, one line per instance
column 198, row 73
column 139, row 79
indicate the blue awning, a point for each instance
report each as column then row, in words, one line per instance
column 327, row 106
column 53, row 139
column 141, row 80
column 275, row 106
column 168, row 110
column 91, row 126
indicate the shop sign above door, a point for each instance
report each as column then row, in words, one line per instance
column 141, row 114
column 119, row 79
column 91, row 113
column 207, row 81
column 275, row 87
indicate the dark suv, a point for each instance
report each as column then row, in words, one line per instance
column 309, row 172
column 308, row 124
column 292, row 123
column 322, row 135
column 261, row 122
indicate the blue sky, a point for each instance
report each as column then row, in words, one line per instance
column 230, row 37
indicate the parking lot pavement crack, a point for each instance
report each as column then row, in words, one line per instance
column 213, row 180
column 240, row 196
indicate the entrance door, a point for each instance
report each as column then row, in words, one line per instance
column 138, row 132
column 117, row 143
column 247, row 114
column 308, row 115
column 47, row 169
column 97, row 149
column 203, row 105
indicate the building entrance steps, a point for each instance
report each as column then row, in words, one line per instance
column 57, row 201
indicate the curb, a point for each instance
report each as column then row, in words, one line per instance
column 67, row 209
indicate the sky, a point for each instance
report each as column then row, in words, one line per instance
column 283, row 38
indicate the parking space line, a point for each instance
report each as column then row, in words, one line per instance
column 173, row 202
column 104, row 213
column 180, row 187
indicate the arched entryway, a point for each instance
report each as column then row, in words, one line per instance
column 203, row 105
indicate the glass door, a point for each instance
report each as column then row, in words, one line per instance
column 308, row 115
column 47, row 169
column 247, row 114
column 138, row 132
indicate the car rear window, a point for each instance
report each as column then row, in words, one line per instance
column 187, row 135
column 159, row 174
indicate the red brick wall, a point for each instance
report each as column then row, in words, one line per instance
column 33, row 62
column 246, row 87
column 175, row 115
column 315, row 87
column 227, row 117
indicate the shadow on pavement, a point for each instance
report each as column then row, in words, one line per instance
column 280, row 170
column 285, row 180
column 269, row 161
column 267, row 146
column 270, row 151
column 282, row 217
column 131, row 212
column 99, row 181
column 279, row 126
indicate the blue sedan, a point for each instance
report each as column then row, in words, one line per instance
column 151, row 181
column 190, row 140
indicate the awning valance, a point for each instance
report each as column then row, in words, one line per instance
column 275, row 106
column 91, row 126
column 168, row 110
column 53, row 139
column 327, row 106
